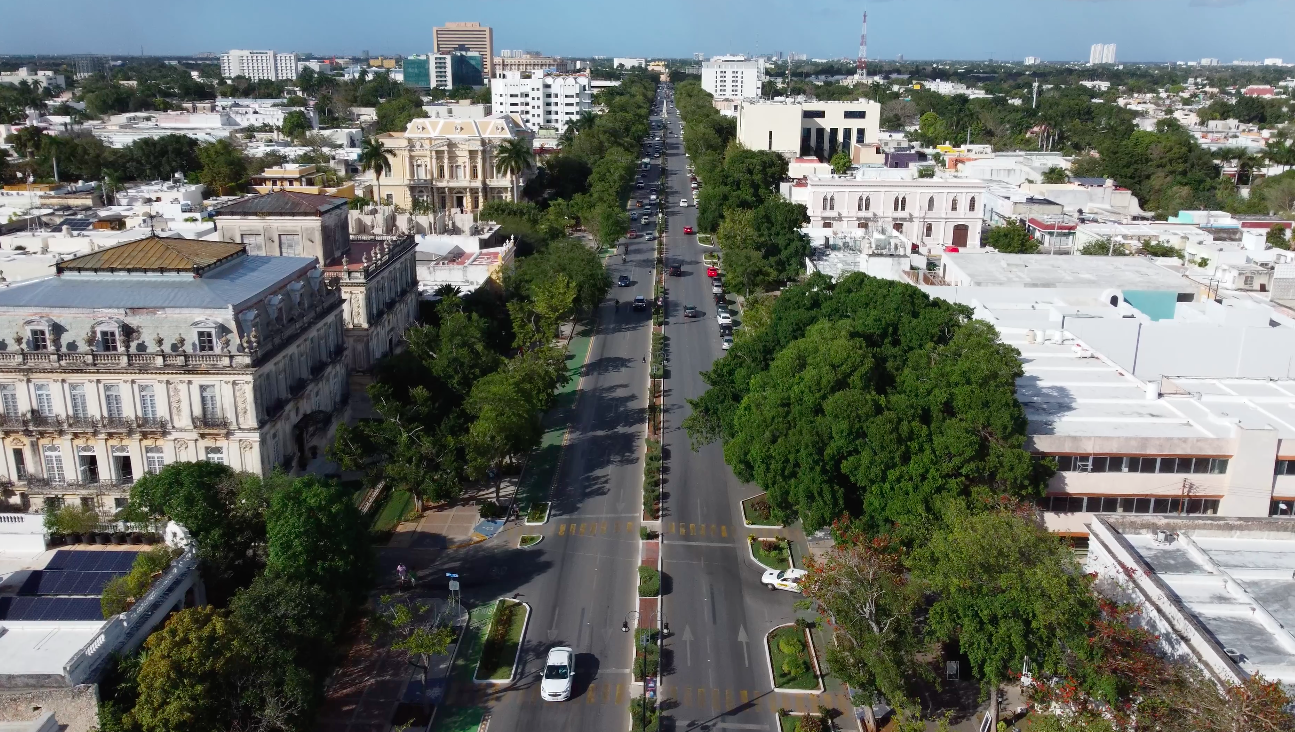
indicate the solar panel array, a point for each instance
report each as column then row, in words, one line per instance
column 68, row 588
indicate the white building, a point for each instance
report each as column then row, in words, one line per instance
column 1102, row 53
column 800, row 128
column 164, row 350
column 259, row 65
column 39, row 79
column 1033, row 60
column 732, row 77
column 932, row 213
column 628, row 63
column 251, row 112
column 1013, row 168
column 541, row 99
column 457, row 110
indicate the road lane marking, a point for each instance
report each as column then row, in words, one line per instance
column 728, row 698
column 687, row 696
column 628, row 525
column 714, row 698
column 703, row 530
column 692, row 529
column 604, row 529
column 618, row 693
column 742, row 695
column 701, row 697
column 572, row 530
column 723, row 531
column 582, row 529
column 589, row 694
column 712, row 529
column 562, row 529
column 671, row 527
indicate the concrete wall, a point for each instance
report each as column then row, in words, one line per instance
column 76, row 709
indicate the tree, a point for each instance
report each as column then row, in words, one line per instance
column 1012, row 238
column 513, row 158
column 1106, row 247
column 747, row 267
column 609, row 224
column 1006, row 589
column 373, row 158
column 295, row 124
column 866, row 600
column 505, row 424
column 1055, row 174
column 315, row 533
column 190, row 675
column 931, row 130
column 27, row 141
column 569, row 257
column 1276, row 237
column 841, row 162
column 223, row 166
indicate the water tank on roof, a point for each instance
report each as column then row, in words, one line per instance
column 1112, row 297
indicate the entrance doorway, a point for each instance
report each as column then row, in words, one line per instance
column 960, row 235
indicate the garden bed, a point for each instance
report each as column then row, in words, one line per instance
column 799, row 722
column 649, row 582
column 529, row 540
column 537, row 514
column 502, row 646
column 790, row 662
column 757, row 513
column 652, row 481
column 772, row 552
column 647, row 653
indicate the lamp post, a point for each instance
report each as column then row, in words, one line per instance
column 625, row 628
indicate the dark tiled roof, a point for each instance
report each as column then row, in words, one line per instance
column 155, row 254
column 281, row 203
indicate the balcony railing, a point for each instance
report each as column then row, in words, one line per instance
column 36, row 421
column 118, row 360
column 211, row 423
column 36, row 485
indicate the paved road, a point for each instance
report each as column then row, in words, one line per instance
column 715, row 597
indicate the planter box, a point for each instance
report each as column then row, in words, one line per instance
column 813, row 663
column 517, row 655
column 541, row 522
column 751, row 549
column 749, row 525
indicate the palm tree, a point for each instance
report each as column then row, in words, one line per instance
column 373, row 158
column 513, row 158
column 585, row 121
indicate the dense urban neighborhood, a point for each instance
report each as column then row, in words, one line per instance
column 480, row 390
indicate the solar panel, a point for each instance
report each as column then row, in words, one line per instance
column 51, row 608
column 72, row 560
column 63, row 582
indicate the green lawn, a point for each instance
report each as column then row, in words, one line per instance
column 529, row 540
column 789, row 653
column 458, row 719
column 394, row 508
column 788, row 722
column 755, row 510
column 500, row 648
column 538, row 511
column 465, row 660
column 773, row 554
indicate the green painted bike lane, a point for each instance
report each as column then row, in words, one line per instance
column 541, row 468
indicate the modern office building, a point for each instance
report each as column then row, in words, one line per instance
column 472, row 37
column 1102, row 53
column 541, row 99
column 799, row 129
column 259, row 65
column 418, row 72
column 732, row 77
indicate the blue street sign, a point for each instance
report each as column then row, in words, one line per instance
column 451, row 574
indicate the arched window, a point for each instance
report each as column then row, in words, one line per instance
column 860, row 208
column 831, row 203
column 867, row 203
column 930, row 203
column 824, row 208
column 971, row 205
column 928, row 229
column 955, row 203
column 903, row 203
column 896, row 204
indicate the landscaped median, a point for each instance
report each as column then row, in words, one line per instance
column 652, row 481
column 773, row 552
column 501, row 647
column 802, row 722
column 756, row 513
column 537, row 514
column 793, row 666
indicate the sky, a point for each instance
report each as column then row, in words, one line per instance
column 1055, row 30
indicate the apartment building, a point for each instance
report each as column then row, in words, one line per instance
column 732, row 77
column 527, row 63
column 259, row 65
column 799, row 128
column 450, row 163
column 162, row 350
column 472, row 37
column 541, row 99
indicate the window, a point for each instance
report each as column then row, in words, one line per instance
column 895, row 205
column 971, row 205
column 147, row 402
column 903, row 203
column 1128, row 464
column 216, row 455
column 153, row 460
column 813, row 114
column 79, row 408
column 9, row 400
column 39, row 339
column 770, row 139
column 859, row 135
column 53, row 463
column 928, row 229
column 87, row 464
column 206, row 341
column 824, row 206
column 44, row 401
column 953, row 204
column 289, row 245
column 831, row 203
column 112, row 401
column 1283, row 508
column 930, row 203
column 210, row 407
column 1284, row 467
column 19, row 464
column 856, row 114
column 867, row 203
column 108, row 341
column 1130, row 504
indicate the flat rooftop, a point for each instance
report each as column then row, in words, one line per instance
column 993, row 269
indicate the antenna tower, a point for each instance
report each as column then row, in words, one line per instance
column 861, row 63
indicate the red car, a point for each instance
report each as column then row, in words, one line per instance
column 712, row 272
column 632, row 235
column 687, row 229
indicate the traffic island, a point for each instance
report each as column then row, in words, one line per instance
column 537, row 514
column 758, row 514
column 793, row 665
column 643, row 715
column 802, row 722
column 652, row 460
column 773, row 552
column 503, row 643
column 529, row 540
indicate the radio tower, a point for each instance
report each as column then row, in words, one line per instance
column 861, row 63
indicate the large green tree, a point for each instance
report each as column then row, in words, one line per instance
column 1012, row 238
column 223, row 167
column 190, row 676
column 316, row 534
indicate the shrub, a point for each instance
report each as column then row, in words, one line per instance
column 643, row 715
column 811, row 723
column 121, row 592
column 794, row 666
column 790, row 645
column 491, row 510
column 649, row 582
column 71, row 520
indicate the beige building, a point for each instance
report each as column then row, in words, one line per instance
column 799, row 129
column 466, row 36
column 527, row 64
column 451, row 162
column 300, row 178
column 287, row 224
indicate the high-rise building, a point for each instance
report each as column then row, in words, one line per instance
column 259, row 65
column 1209, row 62
column 1033, row 60
column 1101, row 53
column 541, row 99
column 732, row 77
column 418, row 72
column 472, row 37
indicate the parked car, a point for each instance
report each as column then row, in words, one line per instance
column 689, row 311
column 640, row 303
column 687, row 229
column 785, row 579
column 726, row 342
column 712, row 272
column 632, row 234
column 559, row 674
column 724, row 317
column 623, row 281
column 683, row 203
column 716, row 288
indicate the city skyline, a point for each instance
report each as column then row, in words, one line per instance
column 1010, row 31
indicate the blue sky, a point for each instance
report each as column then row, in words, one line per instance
column 1153, row 30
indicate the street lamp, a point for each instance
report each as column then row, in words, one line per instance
column 625, row 626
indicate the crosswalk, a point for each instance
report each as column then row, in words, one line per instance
column 672, row 528
column 718, row 531
column 595, row 528
column 684, row 701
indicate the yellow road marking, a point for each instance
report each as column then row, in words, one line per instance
column 692, row 528
column 604, row 528
column 687, row 696
column 723, row 531
column 629, row 526
column 589, row 695
column 562, row 529
column 701, row 697
column 742, row 695
column 728, row 698
column 714, row 698
column 618, row 693
column 703, row 530
column 582, row 529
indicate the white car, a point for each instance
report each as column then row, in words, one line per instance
column 683, row 202
column 559, row 674
column 783, row 579
column 726, row 343
column 716, row 288
column 723, row 318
